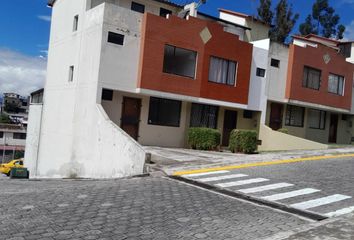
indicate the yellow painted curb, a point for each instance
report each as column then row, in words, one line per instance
column 258, row 164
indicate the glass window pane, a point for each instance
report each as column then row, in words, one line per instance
column 222, row 71
column 294, row 116
column 179, row 61
column 164, row 112
column 204, row 116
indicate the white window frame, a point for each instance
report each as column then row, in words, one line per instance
column 338, row 78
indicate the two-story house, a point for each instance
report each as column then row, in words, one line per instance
column 125, row 73
column 309, row 89
column 137, row 68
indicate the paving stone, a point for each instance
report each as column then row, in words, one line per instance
column 139, row 208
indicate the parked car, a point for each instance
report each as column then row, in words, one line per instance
column 6, row 167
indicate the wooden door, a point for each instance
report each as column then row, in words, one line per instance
column 131, row 116
column 230, row 122
column 333, row 128
column 276, row 116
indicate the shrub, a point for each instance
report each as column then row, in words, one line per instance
column 203, row 138
column 243, row 141
column 283, row 130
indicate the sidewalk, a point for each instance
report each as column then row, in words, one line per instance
column 170, row 160
column 333, row 229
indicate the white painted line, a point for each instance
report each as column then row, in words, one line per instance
column 320, row 201
column 291, row 194
column 340, row 212
column 63, row 205
column 28, row 207
column 242, row 182
column 106, row 204
column 205, row 173
column 209, row 179
column 266, row 187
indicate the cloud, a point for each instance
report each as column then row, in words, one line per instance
column 44, row 18
column 20, row 73
column 349, row 31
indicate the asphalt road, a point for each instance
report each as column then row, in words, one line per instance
column 139, row 208
column 325, row 187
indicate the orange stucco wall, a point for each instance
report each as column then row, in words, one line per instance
column 313, row 57
column 158, row 31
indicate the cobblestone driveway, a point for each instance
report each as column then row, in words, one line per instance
column 141, row 208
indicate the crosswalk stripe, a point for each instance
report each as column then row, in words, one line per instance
column 209, row 179
column 281, row 196
column 340, row 212
column 242, row 182
column 205, row 173
column 320, row 201
column 266, row 188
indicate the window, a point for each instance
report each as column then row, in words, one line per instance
column 19, row 136
column 179, row 61
column 294, row 116
column 164, row 112
column 336, row 84
column 71, row 73
column 115, row 38
column 274, row 63
column 222, row 71
column 311, row 78
column 247, row 114
column 164, row 12
column 1, row 134
column 76, row 23
column 260, row 72
column 317, row 119
column 107, row 94
column 137, row 7
column 204, row 116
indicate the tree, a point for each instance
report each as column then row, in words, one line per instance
column 265, row 12
column 5, row 119
column 323, row 21
column 284, row 21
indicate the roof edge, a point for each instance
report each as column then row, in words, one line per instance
column 242, row 15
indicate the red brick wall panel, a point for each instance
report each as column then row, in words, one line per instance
column 313, row 57
column 158, row 31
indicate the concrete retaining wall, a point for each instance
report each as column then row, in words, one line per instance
column 277, row 141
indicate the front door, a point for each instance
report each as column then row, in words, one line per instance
column 276, row 116
column 230, row 122
column 333, row 128
column 131, row 116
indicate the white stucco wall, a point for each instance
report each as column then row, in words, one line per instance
column 33, row 133
column 232, row 18
column 257, row 98
column 276, row 77
column 77, row 140
column 119, row 64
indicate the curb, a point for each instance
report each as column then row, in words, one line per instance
column 275, row 205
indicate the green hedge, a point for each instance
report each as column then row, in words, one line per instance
column 203, row 138
column 243, row 141
column 283, row 130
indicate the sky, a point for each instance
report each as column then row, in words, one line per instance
column 25, row 27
